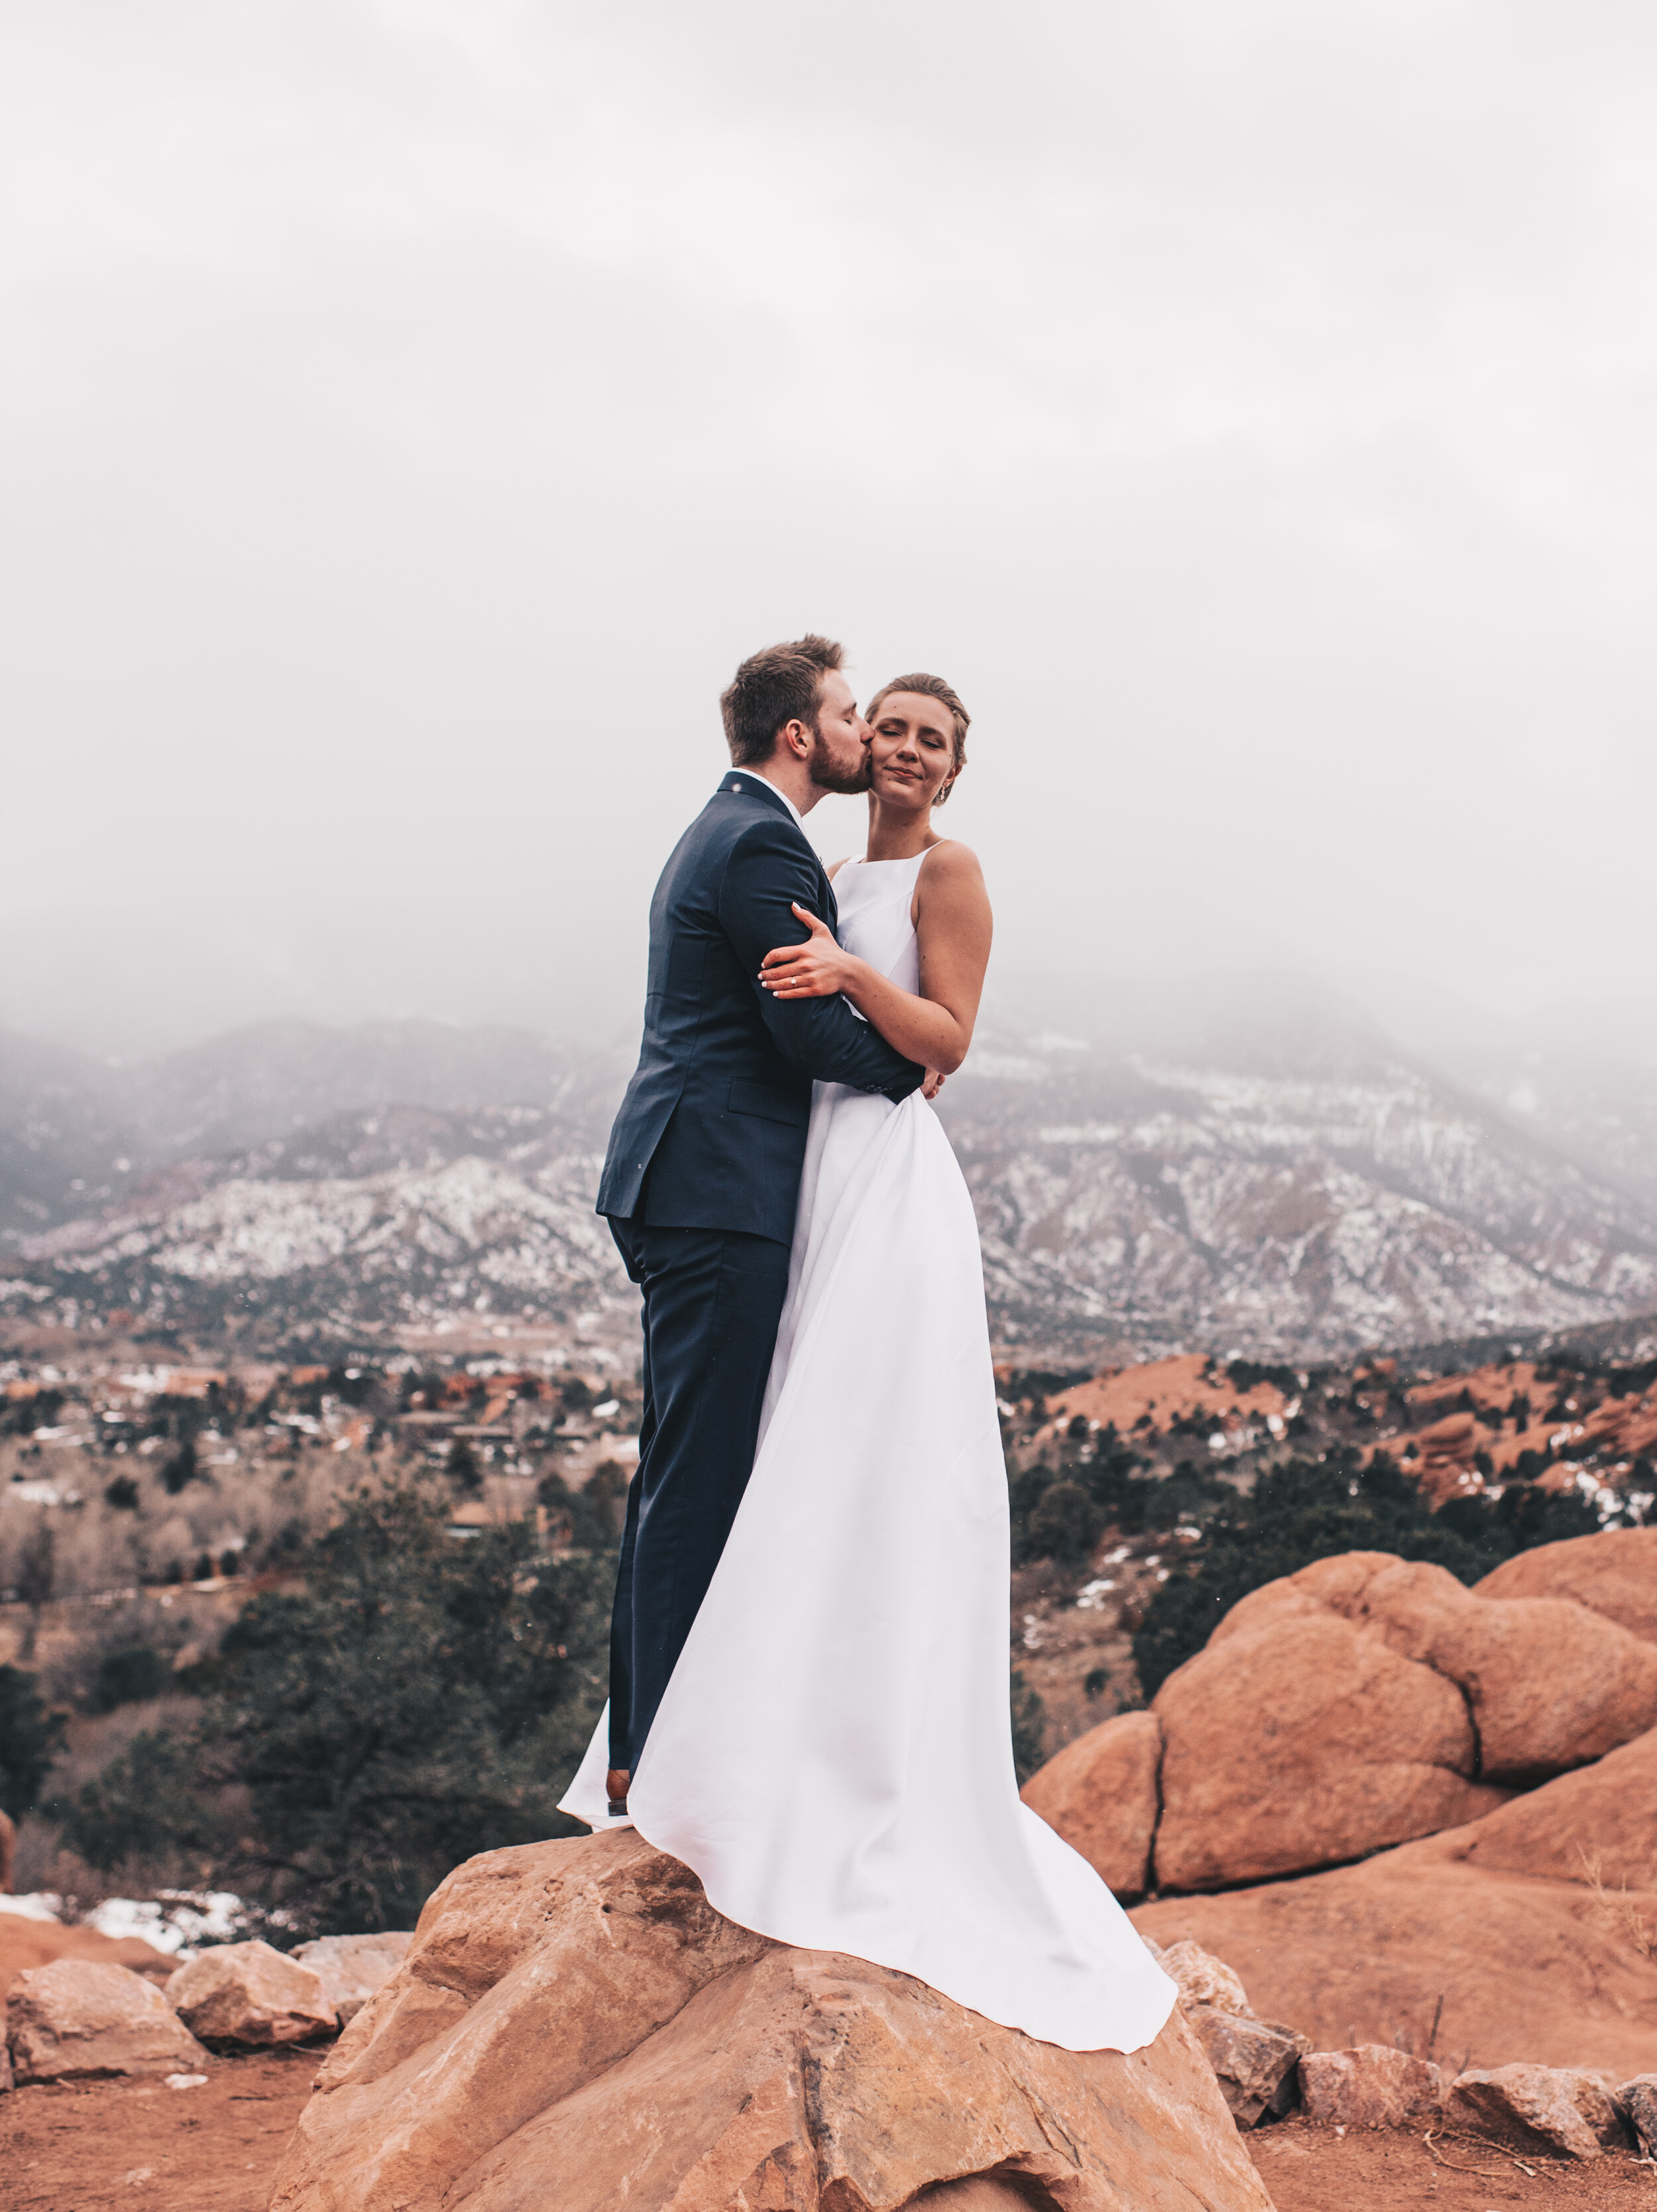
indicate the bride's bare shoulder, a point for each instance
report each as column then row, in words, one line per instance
column 951, row 865
column 950, row 892
column 835, row 867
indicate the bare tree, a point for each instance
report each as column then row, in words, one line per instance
column 36, row 1574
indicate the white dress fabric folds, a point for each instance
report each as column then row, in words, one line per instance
column 833, row 1754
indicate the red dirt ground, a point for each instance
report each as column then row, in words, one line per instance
column 104, row 2145
column 1309, row 2169
column 94, row 2145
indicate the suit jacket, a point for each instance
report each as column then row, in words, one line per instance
column 711, row 1133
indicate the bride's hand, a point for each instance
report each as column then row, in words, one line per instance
column 816, row 969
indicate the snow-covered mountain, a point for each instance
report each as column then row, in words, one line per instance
column 1304, row 1189
column 1307, row 1209
column 399, row 1217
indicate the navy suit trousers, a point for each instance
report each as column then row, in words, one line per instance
column 713, row 1298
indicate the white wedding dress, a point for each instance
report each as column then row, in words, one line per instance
column 833, row 1754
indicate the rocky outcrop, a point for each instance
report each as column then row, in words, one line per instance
column 76, row 2020
column 1506, row 1968
column 1100, row 1793
column 1613, row 1574
column 249, row 1995
column 575, row 2026
column 1300, row 1737
column 1551, row 2109
column 1599, row 1825
column 1361, row 1702
column 352, row 1967
column 7, row 1852
column 1374, row 2086
column 1549, row 1684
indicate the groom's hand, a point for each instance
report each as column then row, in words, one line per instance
column 933, row 1084
column 816, row 969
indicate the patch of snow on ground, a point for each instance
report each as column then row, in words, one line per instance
column 39, row 1904
column 178, row 1922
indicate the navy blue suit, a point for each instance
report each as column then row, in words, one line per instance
column 700, row 1183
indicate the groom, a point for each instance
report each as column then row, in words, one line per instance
column 702, row 1173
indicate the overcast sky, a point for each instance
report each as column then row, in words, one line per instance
column 412, row 411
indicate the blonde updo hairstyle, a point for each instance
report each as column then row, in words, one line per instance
column 931, row 687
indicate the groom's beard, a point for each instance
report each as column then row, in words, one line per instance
column 829, row 776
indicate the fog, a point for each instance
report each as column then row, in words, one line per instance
column 412, row 411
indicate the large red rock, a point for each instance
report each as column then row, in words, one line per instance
column 248, row 1993
column 76, row 2020
column 1614, row 1574
column 1511, row 1968
column 25, row 1943
column 575, row 2027
column 1366, row 1701
column 1550, row 1685
column 1599, row 1825
column 1100, row 1794
column 7, row 1852
column 1299, row 1737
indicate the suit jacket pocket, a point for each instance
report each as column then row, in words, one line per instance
column 769, row 1103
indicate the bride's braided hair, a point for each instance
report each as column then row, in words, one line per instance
column 932, row 687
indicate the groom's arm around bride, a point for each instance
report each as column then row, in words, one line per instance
column 702, row 1173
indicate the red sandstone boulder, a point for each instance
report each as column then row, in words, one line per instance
column 1550, row 1685
column 1100, row 1792
column 1599, row 1825
column 1366, row 1701
column 7, row 1852
column 1419, row 1945
column 575, row 2027
column 249, row 1994
column 1613, row 1574
column 1374, row 2086
column 1546, row 2108
column 1297, row 1738
column 78, row 2019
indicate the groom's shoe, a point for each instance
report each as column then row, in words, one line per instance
column 615, row 1784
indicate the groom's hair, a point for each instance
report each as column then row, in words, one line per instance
column 930, row 687
column 783, row 683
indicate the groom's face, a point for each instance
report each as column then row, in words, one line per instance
column 839, row 758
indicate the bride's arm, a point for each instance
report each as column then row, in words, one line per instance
column 952, row 923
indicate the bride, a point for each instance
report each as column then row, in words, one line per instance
column 832, row 1756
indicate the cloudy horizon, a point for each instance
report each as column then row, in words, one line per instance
column 414, row 410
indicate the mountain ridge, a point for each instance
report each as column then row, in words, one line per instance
column 1283, row 1180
